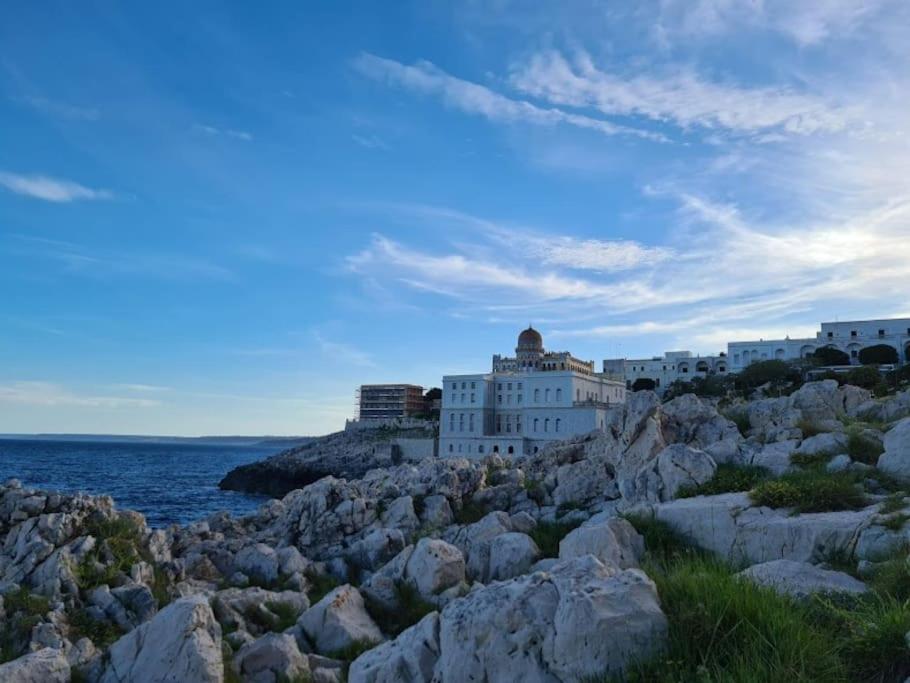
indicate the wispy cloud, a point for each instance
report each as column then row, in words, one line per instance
column 370, row 142
column 58, row 109
column 49, row 189
column 344, row 353
column 473, row 98
column 680, row 97
column 140, row 388
column 224, row 132
column 37, row 393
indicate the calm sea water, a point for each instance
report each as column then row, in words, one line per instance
column 167, row 483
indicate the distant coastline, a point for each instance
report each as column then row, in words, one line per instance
column 277, row 441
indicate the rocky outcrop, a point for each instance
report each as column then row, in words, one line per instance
column 612, row 540
column 801, row 579
column 44, row 666
column 273, row 657
column 339, row 621
column 583, row 618
column 896, row 458
column 349, row 454
column 182, row 643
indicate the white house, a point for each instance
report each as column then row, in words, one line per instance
column 666, row 369
column 541, row 397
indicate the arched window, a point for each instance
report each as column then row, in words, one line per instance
column 451, row 448
column 559, row 394
column 511, row 450
column 480, row 448
column 546, row 395
column 537, row 396
column 546, row 424
column 471, row 422
column 557, row 423
column 496, row 449
column 536, row 423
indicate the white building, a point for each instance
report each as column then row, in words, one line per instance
column 851, row 337
column 666, row 369
column 525, row 402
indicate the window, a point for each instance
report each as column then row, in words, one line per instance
column 499, row 399
column 854, row 353
column 831, row 335
column 518, row 424
column 546, row 424
column 462, row 385
column 537, row 396
column 519, row 386
column 472, row 385
column 557, row 423
column 462, row 398
column 461, row 422
column 536, row 449
column 881, row 333
column 471, row 422
column 508, row 424
column 459, row 448
column 511, row 450
column 509, row 386
column 480, row 448
column 451, row 448
column 452, row 422
column 499, row 386
column 559, row 394
column 852, row 333
column 536, row 423
column 685, row 369
column 498, row 424
column 546, row 395
column 472, row 398
column 508, row 398
column 496, row 449
column 454, row 385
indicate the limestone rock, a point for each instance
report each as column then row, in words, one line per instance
column 409, row 658
column 435, row 566
column 339, row 620
column 259, row 562
column 436, row 513
column 612, row 540
column 271, row 658
column 801, row 579
column 896, row 458
column 511, row 554
column 182, row 643
column 676, row 466
column 43, row 666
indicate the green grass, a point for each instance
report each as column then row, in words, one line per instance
column 117, row 549
column 469, row 512
column 353, row 651
column 862, row 448
column 811, row 459
column 320, row 586
column 101, row 633
column 809, row 428
column 727, row 478
column 23, row 611
column 725, row 630
column 285, row 615
column 740, row 419
column 547, row 536
column 410, row 609
column 896, row 522
column 893, row 503
column 811, row 491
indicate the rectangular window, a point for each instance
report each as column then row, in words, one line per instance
column 831, row 335
column 462, row 398
column 472, row 398
column 509, row 386
column 519, row 386
column 453, row 398
column 508, row 398
column 472, row 385
column 852, row 333
column 881, row 333
column 499, row 386
column 519, row 398
column 499, row 398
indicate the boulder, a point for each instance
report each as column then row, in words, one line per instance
column 409, row 658
column 181, row 643
column 896, row 458
column 272, row 658
column 339, row 620
column 611, row 540
column 801, row 579
column 826, row 443
column 511, row 554
column 43, row 666
column 583, row 619
column 436, row 513
column 677, row 466
column 259, row 562
column 376, row 548
column 435, row 566
column 474, row 542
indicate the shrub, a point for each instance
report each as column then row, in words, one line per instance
column 809, row 428
column 469, row 512
column 863, row 448
column 727, row 478
column 547, row 536
column 285, row 615
column 23, row 611
column 741, row 420
column 320, row 586
column 875, row 645
column 662, row 544
column 353, row 651
column 811, row 491
column 878, row 355
column 829, row 355
column 865, row 377
column 643, row 384
column 891, row 577
column 775, row 372
column 101, row 633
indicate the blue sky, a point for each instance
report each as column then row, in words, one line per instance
column 223, row 217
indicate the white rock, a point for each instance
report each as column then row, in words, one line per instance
column 613, row 540
column 511, row 554
column 339, row 620
column 839, row 463
column 896, row 458
column 827, row 443
column 290, row 561
column 376, row 548
column 181, row 644
column 676, row 466
column 801, row 579
column 435, row 566
column 273, row 657
column 583, row 619
column 259, row 562
column 437, row 512
column 43, row 666
column 409, row 658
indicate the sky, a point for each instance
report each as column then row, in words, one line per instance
column 221, row 218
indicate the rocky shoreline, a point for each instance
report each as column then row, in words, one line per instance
column 450, row 570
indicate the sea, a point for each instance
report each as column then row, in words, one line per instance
column 168, row 483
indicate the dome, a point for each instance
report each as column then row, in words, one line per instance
column 530, row 338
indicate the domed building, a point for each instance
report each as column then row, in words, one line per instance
column 526, row 401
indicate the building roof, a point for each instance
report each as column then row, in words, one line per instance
column 530, row 337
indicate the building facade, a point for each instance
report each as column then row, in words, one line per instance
column 389, row 401
column 851, row 337
column 666, row 369
column 524, row 402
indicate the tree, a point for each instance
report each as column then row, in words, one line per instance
column 829, row 355
column 773, row 371
column 644, row 384
column 433, row 394
column 865, row 377
column 878, row 355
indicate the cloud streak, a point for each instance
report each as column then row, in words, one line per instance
column 34, row 393
column 50, row 189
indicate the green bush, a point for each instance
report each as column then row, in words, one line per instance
column 320, row 586
column 740, row 419
column 878, row 355
column 547, row 536
column 865, row 377
column 811, row 491
column 101, row 633
column 727, row 478
column 829, row 355
column 874, row 639
column 863, row 448
column 469, row 512
column 23, row 611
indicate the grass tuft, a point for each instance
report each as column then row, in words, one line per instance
column 811, row 491
column 320, row 586
column 410, row 609
column 862, row 448
column 469, row 512
column 547, row 535
column 727, row 478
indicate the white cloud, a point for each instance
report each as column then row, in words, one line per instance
column 472, row 98
column 49, row 189
column 226, row 132
column 370, row 142
column 681, row 97
column 50, row 394
column 59, row 109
